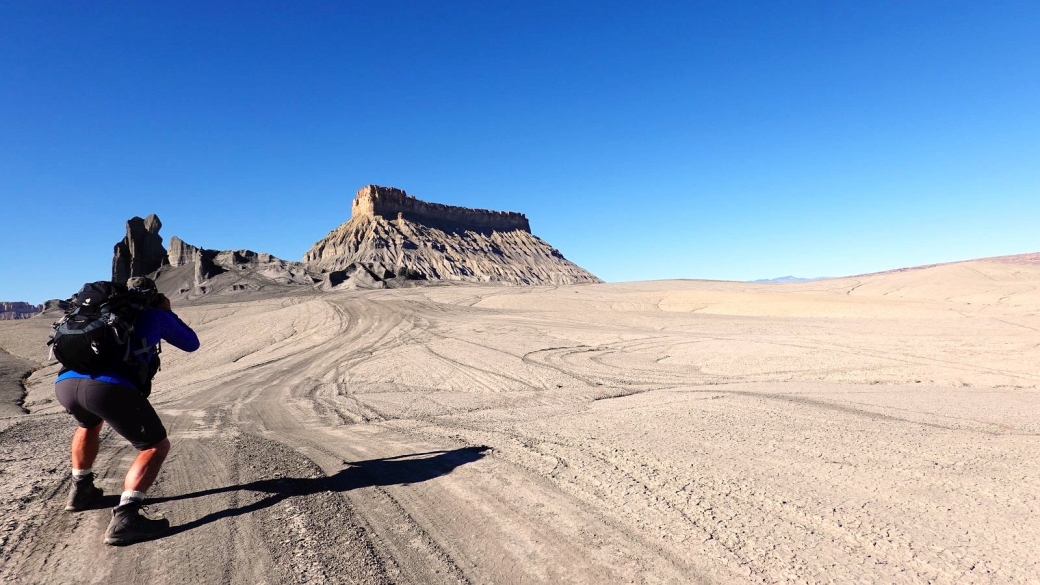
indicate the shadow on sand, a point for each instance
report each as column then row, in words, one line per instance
column 400, row 470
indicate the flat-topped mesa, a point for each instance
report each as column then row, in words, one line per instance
column 391, row 236
column 391, row 203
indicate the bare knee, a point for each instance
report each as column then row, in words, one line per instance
column 146, row 467
column 161, row 448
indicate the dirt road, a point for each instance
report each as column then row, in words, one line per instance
column 598, row 434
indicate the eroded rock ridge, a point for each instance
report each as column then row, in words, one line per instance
column 196, row 271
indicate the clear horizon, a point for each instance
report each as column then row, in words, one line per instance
column 711, row 140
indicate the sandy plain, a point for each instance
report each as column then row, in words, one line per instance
column 880, row 429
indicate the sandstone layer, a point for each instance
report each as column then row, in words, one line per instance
column 391, row 203
column 440, row 242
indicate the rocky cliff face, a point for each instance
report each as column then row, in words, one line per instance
column 180, row 253
column 141, row 252
column 404, row 235
column 390, row 203
column 195, row 271
column 189, row 271
column 18, row 310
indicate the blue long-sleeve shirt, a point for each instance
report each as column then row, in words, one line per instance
column 152, row 325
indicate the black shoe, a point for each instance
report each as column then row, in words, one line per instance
column 129, row 526
column 83, row 493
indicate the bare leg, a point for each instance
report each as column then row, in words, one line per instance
column 146, row 467
column 85, row 443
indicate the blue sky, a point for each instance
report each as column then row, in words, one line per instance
column 719, row 140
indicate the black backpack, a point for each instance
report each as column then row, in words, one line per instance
column 96, row 335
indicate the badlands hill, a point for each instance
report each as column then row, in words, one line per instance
column 391, row 240
column 440, row 242
column 880, row 428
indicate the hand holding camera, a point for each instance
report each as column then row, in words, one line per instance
column 162, row 302
column 146, row 286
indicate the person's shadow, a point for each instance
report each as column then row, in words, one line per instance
column 400, row 470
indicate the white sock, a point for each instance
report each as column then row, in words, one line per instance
column 130, row 496
column 78, row 473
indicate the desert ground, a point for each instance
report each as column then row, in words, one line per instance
column 879, row 429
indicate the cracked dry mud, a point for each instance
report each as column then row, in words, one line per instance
column 878, row 429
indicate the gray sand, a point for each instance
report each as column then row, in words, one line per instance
column 881, row 428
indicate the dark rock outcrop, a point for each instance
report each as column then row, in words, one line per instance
column 18, row 310
column 370, row 275
column 141, row 252
column 388, row 228
column 55, row 305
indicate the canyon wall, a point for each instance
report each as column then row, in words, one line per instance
column 18, row 310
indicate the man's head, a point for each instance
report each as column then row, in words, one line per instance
column 143, row 285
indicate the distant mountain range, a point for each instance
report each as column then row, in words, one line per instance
column 786, row 279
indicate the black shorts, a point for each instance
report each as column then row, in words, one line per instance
column 125, row 409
